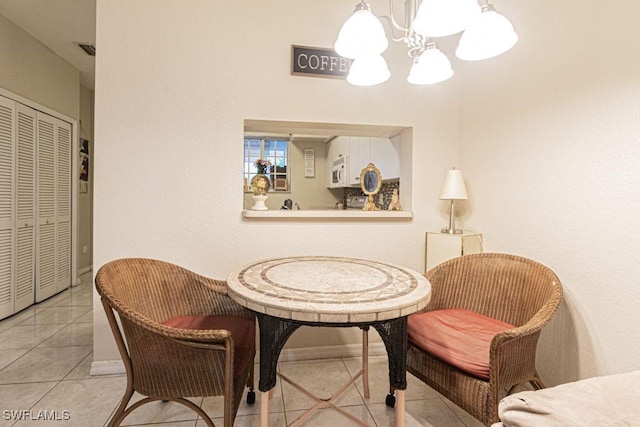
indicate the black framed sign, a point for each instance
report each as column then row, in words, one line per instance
column 318, row 62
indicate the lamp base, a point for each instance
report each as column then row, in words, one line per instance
column 451, row 230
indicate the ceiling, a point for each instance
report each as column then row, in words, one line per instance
column 60, row 25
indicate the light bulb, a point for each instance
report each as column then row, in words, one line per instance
column 368, row 71
column 362, row 34
column 439, row 18
column 432, row 66
column 489, row 35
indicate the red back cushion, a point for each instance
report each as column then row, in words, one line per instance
column 459, row 337
column 243, row 332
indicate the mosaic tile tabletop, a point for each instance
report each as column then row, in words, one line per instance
column 329, row 289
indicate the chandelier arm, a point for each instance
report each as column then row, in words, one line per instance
column 392, row 29
column 392, row 19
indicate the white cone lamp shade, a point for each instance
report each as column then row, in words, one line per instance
column 368, row 71
column 491, row 34
column 432, row 66
column 439, row 18
column 453, row 187
column 361, row 35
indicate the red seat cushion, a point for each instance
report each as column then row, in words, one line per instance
column 242, row 330
column 459, row 337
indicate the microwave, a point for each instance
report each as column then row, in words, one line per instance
column 339, row 173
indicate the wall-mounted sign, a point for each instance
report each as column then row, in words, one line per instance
column 309, row 163
column 318, row 62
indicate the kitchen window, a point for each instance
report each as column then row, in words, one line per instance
column 274, row 150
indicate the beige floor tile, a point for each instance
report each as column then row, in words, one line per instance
column 81, row 298
column 171, row 424
column 418, row 413
column 379, row 381
column 9, row 356
column 82, row 370
column 466, row 418
column 88, row 402
column 159, row 412
column 19, row 397
column 330, row 418
column 27, row 336
column 85, row 318
column 213, row 406
column 54, row 315
column 44, row 364
column 315, row 377
column 17, row 318
column 55, row 300
column 275, row 420
column 73, row 334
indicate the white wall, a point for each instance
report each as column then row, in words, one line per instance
column 31, row 70
column 175, row 80
column 550, row 148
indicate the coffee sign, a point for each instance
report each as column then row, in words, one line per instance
column 318, row 62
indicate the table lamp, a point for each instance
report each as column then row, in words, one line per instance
column 453, row 189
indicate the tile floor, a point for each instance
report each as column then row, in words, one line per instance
column 46, row 354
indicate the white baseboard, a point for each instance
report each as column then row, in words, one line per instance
column 328, row 352
column 86, row 269
column 112, row 367
column 107, row 367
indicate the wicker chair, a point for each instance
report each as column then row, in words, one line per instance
column 170, row 363
column 509, row 288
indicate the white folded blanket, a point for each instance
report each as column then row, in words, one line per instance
column 612, row 400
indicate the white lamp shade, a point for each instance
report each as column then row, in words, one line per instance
column 362, row 34
column 432, row 66
column 491, row 34
column 453, row 187
column 439, row 18
column 368, row 71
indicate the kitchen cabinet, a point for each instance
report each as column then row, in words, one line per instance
column 337, row 147
column 440, row 247
column 358, row 158
column 384, row 153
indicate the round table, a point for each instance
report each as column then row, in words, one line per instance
column 286, row 293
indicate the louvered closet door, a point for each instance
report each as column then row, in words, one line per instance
column 7, row 207
column 63, row 206
column 25, row 213
column 46, row 207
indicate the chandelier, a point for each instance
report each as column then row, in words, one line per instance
column 362, row 38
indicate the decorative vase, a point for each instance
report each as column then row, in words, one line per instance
column 260, row 184
column 258, row 202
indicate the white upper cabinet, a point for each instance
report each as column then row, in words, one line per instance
column 384, row 153
column 358, row 158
